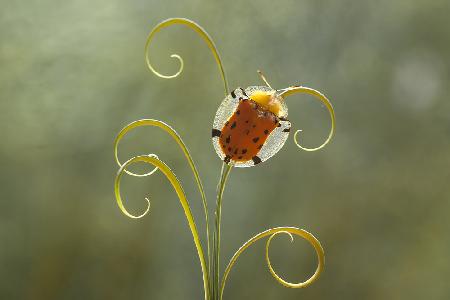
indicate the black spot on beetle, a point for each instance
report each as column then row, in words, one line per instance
column 254, row 126
column 243, row 92
column 238, row 112
column 287, row 129
column 233, row 94
column 244, row 151
column 233, row 125
column 260, row 146
column 256, row 160
column 228, row 139
column 246, row 121
column 240, row 157
column 266, row 131
column 247, row 132
column 256, row 139
column 279, row 125
column 227, row 159
column 226, row 123
column 216, row 132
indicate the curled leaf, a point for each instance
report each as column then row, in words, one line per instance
column 151, row 159
column 272, row 232
column 198, row 29
column 319, row 96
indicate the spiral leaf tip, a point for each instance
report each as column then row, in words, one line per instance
column 271, row 233
column 200, row 31
column 324, row 100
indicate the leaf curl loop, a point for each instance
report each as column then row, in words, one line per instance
column 200, row 31
column 151, row 159
column 177, row 138
column 319, row 96
column 271, row 233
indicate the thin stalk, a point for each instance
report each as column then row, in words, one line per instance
column 216, row 238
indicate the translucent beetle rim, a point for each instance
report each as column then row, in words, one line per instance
column 276, row 138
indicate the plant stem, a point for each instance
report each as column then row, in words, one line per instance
column 215, row 278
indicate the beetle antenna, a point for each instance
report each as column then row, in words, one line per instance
column 263, row 78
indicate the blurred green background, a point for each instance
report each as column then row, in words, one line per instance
column 72, row 74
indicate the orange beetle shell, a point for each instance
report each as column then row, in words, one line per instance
column 245, row 133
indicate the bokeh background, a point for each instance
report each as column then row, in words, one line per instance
column 72, row 74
